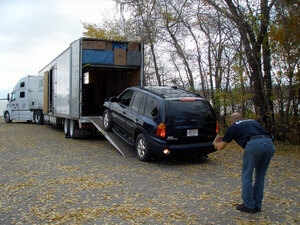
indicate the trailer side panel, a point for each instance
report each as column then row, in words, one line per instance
column 75, row 80
column 45, row 109
column 61, row 84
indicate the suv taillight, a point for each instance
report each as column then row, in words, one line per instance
column 217, row 127
column 161, row 130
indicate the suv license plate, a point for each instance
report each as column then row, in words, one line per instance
column 192, row 132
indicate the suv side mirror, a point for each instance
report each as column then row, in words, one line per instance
column 114, row 99
column 8, row 97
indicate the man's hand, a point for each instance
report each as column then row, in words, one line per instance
column 218, row 139
column 219, row 143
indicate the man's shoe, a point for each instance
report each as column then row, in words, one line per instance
column 243, row 208
column 257, row 209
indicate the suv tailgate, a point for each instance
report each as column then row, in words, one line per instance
column 189, row 121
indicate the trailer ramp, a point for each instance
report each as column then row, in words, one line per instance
column 123, row 148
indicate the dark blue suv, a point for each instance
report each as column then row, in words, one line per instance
column 161, row 120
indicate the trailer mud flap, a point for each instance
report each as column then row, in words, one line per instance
column 123, row 148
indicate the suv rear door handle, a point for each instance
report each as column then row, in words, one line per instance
column 124, row 112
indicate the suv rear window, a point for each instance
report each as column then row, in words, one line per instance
column 188, row 111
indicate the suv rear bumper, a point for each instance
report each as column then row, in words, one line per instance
column 157, row 147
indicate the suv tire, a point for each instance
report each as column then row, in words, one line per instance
column 142, row 148
column 107, row 121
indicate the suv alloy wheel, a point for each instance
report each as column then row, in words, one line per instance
column 142, row 149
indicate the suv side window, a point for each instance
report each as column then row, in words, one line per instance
column 137, row 101
column 142, row 105
column 126, row 97
column 152, row 107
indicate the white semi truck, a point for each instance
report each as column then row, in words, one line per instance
column 25, row 102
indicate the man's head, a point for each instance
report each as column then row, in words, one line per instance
column 235, row 117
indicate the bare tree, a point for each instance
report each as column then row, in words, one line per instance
column 171, row 18
column 145, row 19
column 253, row 37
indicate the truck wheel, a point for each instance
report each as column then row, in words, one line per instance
column 142, row 148
column 73, row 128
column 106, row 121
column 66, row 128
column 7, row 117
column 38, row 117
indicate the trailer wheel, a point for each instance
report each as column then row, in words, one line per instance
column 106, row 121
column 73, row 128
column 66, row 128
column 142, row 148
column 7, row 117
column 38, row 117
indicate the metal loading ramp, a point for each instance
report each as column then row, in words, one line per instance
column 123, row 148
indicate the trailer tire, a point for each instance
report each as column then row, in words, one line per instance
column 67, row 128
column 38, row 117
column 73, row 128
column 142, row 148
column 7, row 117
column 107, row 121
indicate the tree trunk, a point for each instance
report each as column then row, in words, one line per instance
column 181, row 54
column 268, row 81
column 155, row 63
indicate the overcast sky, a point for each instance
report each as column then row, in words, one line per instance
column 34, row 32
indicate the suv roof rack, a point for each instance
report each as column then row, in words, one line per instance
column 169, row 92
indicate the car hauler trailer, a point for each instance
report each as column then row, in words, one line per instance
column 25, row 102
column 77, row 82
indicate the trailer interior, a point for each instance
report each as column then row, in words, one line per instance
column 99, row 84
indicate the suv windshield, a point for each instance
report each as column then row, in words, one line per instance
column 188, row 111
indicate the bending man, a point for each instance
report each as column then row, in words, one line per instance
column 259, row 149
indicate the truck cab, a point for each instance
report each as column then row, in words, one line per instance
column 25, row 102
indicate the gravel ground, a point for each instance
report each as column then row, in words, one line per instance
column 47, row 179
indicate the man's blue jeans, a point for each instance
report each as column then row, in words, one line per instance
column 258, row 154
